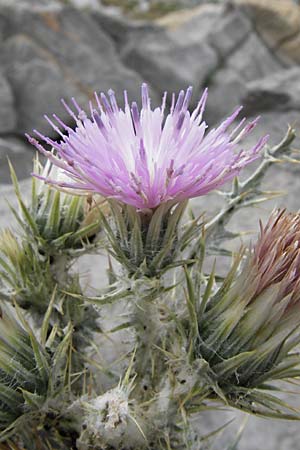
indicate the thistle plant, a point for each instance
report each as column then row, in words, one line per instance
column 186, row 341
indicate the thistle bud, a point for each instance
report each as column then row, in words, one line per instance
column 249, row 329
column 24, row 276
column 56, row 220
column 24, row 370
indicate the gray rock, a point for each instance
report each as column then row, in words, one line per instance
column 173, row 58
column 86, row 4
column 264, row 434
column 119, row 28
column 38, row 84
column 279, row 91
column 7, row 196
column 250, row 61
column 253, row 60
column 55, row 51
column 224, row 94
column 21, row 156
column 277, row 21
column 194, row 25
column 167, row 65
column 230, row 32
column 76, row 42
column 7, row 110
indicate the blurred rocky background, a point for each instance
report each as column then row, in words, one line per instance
column 246, row 51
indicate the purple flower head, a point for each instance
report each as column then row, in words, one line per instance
column 145, row 157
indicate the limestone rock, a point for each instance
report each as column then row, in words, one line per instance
column 7, row 195
column 247, row 59
column 289, row 50
column 230, row 32
column 57, row 51
column 224, row 94
column 167, row 65
column 275, row 20
column 176, row 19
column 253, row 60
column 192, row 25
column 7, row 110
column 38, row 83
column 21, row 156
column 280, row 91
column 119, row 28
column 171, row 59
column 278, row 22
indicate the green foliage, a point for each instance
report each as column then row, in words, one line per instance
column 31, row 381
column 26, row 274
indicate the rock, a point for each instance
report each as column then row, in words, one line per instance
column 280, row 92
column 281, row 177
column 167, row 65
column 21, row 156
column 7, row 110
column 192, row 25
column 289, row 50
column 176, row 19
column 75, row 41
column 7, row 195
column 275, row 123
column 262, row 434
column 224, row 94
column 119, row 28
column 38, row 84
column 278, row 23
column 253, row 60
column 58, row 51
column 173, row 59
column 276, row 20
column 230, row 32
column 86, row 4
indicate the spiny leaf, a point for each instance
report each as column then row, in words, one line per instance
column 83, row 232
column 173, row 221
column 136, row 243
column 32, row 399
column 61, row 352
column 45, row 324
column 229, row 366
column 40, row 358
column 191, row 304
column 235, row 443
column 53, row 220
column 71, row 218
column 155, row 227
column 207, row 292
column 102, row 299
column 119, row 219
column 217, row 431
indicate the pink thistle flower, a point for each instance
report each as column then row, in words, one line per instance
column 146, row 157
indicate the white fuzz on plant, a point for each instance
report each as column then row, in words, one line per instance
column 109, row 419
